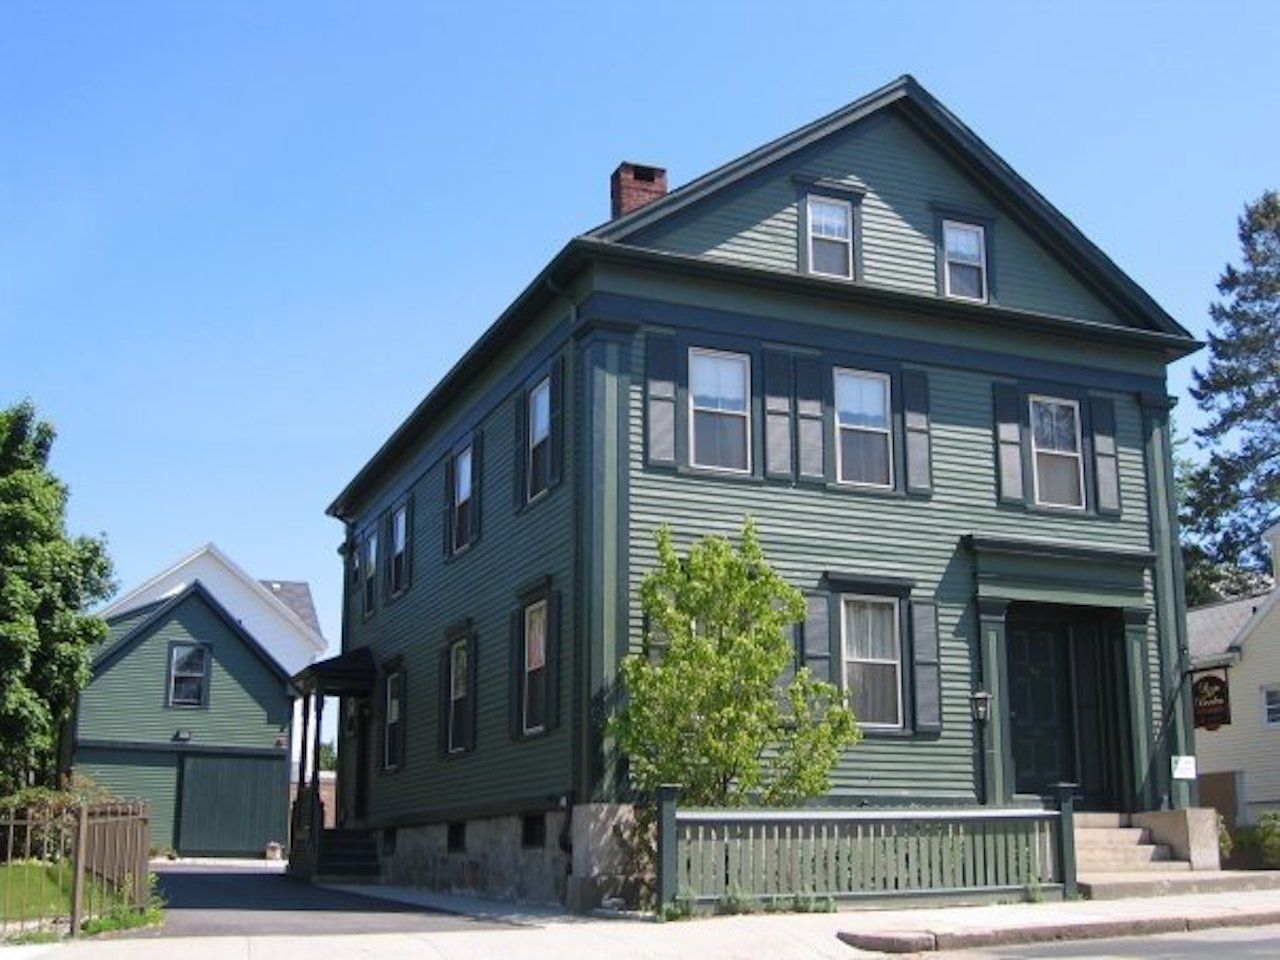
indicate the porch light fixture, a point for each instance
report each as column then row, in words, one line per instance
column 182, row 736
column 980, row 705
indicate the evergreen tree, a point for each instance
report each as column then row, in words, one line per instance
column 47, row 580
column 1235, row 494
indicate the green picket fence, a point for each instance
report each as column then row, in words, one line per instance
column 713, row 855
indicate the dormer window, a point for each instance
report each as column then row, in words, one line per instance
column 830, row 237
column 964, row 247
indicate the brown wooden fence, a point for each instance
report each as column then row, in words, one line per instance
column 61, row 865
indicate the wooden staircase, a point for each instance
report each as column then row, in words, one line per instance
column 347, row 856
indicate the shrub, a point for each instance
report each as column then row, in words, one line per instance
column 1267, row 835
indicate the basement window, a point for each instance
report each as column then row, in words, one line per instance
column 457, row 837
column 533, row 831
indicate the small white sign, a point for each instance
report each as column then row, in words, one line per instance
column 1184, row 768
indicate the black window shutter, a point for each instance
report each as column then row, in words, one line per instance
column 444, row 704
column 552, row 672
column 516, row 656
column 473, row 675
column 777, row 415
column 384, row 554
column 915, row 405
column 403, row 722
column 556, row 452
column 809, row 426
column 926, row 669
column 447, row 522
column 661, row 409
column 1106, row 467
column 817, row 639
column 1008, row 432
column 408, row 542
column 520, row 452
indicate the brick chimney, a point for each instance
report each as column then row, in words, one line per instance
column 633, row 185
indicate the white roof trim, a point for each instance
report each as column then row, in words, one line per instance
column 211, row 549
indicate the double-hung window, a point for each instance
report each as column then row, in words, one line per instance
column 462, row 498
column 719, row 410
column 830, row 237
column 1271, row 706
column 188, row 675
column 873, row 660
column 1056, row 451
column 534, row 693
column 459, row 690
column 399, row 571
column 864, row 441
column 964, row 248
column 539, row 439
column 369, row 567
column 392, row 720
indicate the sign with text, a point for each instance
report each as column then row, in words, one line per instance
column 1184, row 768
column 1210, row 694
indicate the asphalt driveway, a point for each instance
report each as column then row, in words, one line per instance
column 215, row 900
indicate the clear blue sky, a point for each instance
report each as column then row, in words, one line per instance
column 239, row 241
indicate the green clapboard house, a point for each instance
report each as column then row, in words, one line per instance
column 945, row 408
column 189, row 710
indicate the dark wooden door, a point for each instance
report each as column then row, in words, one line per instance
column 1039, row 705
column 363, row 733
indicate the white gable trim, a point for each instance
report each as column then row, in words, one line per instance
column 146, row 592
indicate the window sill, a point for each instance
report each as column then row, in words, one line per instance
column 530, row 502
column 711, row 473
column 859, row 490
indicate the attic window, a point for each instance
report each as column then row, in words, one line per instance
column 964, row 247
column 830, row 237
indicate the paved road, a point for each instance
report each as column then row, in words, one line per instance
column 216, row 900
column 1245, row 943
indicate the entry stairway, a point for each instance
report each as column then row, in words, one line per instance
column 348, row 856
column 1115, row 859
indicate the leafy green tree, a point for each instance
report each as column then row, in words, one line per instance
column 47, row 581
column 328, row 756
column 706, row 703
column 1235, row 494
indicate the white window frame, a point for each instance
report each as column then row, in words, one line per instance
column 887, row 430
column 399, row 515
column 524, row 699
column 845, row 659
column 848, row 208
column 398, row 676
column 981, row 231
column 745, row 360
column 369, row 564
column 1032, row 400
column 1267, row 722
column 204, row 674
column 456, row 694
column 469, row 452
column 545, row 385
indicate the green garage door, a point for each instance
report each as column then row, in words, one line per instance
column 231, row 805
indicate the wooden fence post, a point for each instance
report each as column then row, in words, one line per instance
column 668, row 845
column 1067, row 836
column 77, row 869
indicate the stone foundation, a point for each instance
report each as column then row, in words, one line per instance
column 580, row 863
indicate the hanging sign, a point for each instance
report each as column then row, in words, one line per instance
column 1212, row 700
column 1184, row 767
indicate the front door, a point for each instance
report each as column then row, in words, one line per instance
column 1067, row 709
column 1039, row 694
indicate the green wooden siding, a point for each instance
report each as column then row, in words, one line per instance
column 514, row 549
column 807, row 531
column 138, row 774
column 902, row 174
column 126, row 700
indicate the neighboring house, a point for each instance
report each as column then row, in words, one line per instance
column 1235, row 652
column 944, row 406
column 190, row 705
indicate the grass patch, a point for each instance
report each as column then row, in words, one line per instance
column 30, row 890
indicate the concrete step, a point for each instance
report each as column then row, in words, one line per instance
column 1095, row 820
column 349, row 868
column 1111, row 836
column 1141, row 856
column 1117, row 886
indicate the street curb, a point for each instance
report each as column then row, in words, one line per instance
column 927, row 941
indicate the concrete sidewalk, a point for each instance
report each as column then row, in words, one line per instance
column 556, row 936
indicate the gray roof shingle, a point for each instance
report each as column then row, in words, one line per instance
column 296, row 595
column 1211, row 628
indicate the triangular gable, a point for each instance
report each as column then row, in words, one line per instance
column 907, row 99
column 159, row 613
